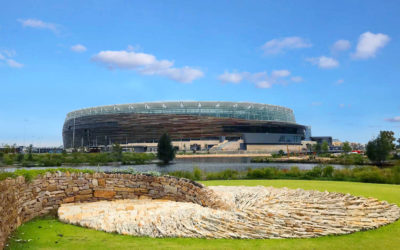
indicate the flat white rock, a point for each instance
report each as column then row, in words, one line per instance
column 254, row 212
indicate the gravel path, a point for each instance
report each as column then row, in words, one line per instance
column 255, row 212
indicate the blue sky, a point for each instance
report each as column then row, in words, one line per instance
column 335, row 63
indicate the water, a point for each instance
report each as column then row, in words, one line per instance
column 188, row 164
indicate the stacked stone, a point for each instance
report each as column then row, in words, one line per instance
column 21, row 201
column 9, row 219
column 206, row 212
column 255, row 213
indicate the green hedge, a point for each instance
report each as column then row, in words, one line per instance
column 369, row 174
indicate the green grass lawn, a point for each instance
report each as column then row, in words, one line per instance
column 48, row 233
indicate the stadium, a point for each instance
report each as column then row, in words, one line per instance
column 191, row 125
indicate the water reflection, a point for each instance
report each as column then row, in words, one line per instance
column 205, row 164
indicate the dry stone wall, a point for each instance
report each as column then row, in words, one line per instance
column 256, row 213
column 20, row 201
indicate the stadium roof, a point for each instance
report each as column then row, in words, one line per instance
column 240, row 110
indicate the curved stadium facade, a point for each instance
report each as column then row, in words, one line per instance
column 252, row 123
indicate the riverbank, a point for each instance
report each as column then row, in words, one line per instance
column 350, row 159
column 370, row 174
column 75, row 159
column 342, row 159
column 188, row 156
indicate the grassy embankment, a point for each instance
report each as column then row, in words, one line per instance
column 370, row 174
column 49, row 233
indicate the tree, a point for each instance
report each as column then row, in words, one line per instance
column 316, row 148
column 378, row 150
column 30, row 149
column 398, row 141
column 165, row 150
column 116, row 152
column 20, row 157
column 346, row 147
column 389, row 135
column 325, row 147
column 7, row 149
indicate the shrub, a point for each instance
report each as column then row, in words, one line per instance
column 327, row 171
column 182, row 174
column 396, row 174
column 294, row 172
column 8, row 159
column 261, row 159
column 116, row 152
column 314, row 172
column 352, row 159
column 372, row 174
column 260, row 173
column 136, row 158
column 276, row 155
column 229, row 174
column 342, row 174
column 26, row 163
column 20, row 157
column 197, row 173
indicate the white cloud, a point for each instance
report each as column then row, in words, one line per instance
column 146, row 64
column 9, row 52
column 78, row 48
column 259, row 79
column 340, row 81
column 296, row 79
column 133, row 47
column 184, row 75
column 14, row 64
column 5, row 56
column 276, row 46
column 324, row 62
column 231, row 77
column 341, row 45
column 38, row 24
column 393, row 119
column 280, row 73
column 124, row 59
column 369, row 44
column 264, row 84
